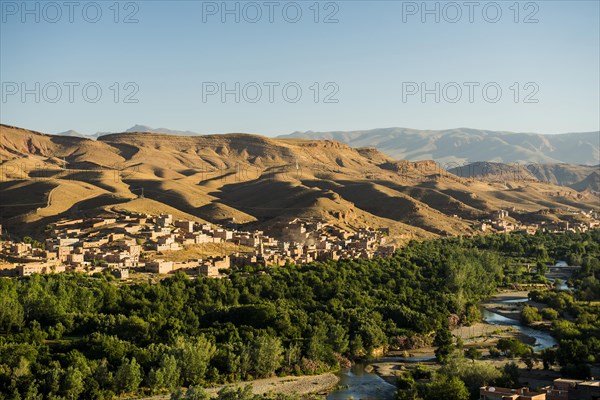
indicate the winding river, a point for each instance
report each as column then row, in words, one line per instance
column 543, row 340
column 356, row 383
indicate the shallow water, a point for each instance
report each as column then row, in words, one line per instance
column 362, row 385
column 543, row 340
column 519, row 300
column 407, row 359
column 368, row 385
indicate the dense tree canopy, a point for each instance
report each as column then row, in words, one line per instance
column 131, row 337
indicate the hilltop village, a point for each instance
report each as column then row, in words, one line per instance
column 138, row 242
column 501, row 221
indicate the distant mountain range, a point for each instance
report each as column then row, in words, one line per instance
column 144, row 128
column 460, row 146
column 464, row 145
column 72, row 133
column 578, row 177
column 135, row 128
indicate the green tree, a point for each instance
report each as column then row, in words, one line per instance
column 193, row 357
column 530, row 315
column 128, row 376
column 550, row 313
column 513, row 348
column 474, row 375
column 472, row 314
column 541, row 269
column 541, row 254
column 317, row 348
column 510, row 375
column 548, row 358
column 447, row 389
column 166, row 375
column 292, row 355
column 407, row 387
column 529, row 362
column 51, row 378
column 196, row 393
column 312, row 308
column 444, row 343
column 72, row 384
column 337, row 338
column 228, row 393
column 267, row 355
column 473, row 353
column 192, row 393
column 357, row 349
column 11, row 310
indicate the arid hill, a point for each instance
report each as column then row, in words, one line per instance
column 557, row 174
column 590, row 183
column 250, row 179
column 465, row 145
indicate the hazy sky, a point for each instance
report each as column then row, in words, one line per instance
column 361, row 65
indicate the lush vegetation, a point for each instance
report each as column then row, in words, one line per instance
column 576, row 326
column 573, row 317
column 457, row 379
column 71, row 336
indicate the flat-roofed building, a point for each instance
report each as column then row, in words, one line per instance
column 573, row 389
column 164, row 220
column 20, row 248
column 120, row 273
column 498, row 393
column 208, row 270
column 63, row 253
column 39, row 268
column 211, row 267
column 202, row 238
column 223, row 234
column 159, row 266
column 186, row 226
column 75, row 258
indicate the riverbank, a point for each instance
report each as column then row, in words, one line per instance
column 535, row 378
column 368, row 381
column 298, row 385
column 482, row 335
column 287, row 385
column 510, row 303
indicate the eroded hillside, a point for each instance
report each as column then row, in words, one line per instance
column 251, row 179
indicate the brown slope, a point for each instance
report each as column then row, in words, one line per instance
column 260, row 180
column 590, row 183
column 18, row 143
column 554, row 173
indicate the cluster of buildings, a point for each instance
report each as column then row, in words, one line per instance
column 136, row 241
column 500, row 221
column 561, row 389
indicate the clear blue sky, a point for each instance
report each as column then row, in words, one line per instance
column 376, row 49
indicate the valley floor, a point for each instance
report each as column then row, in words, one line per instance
column 481, row 335
column 298, row 385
